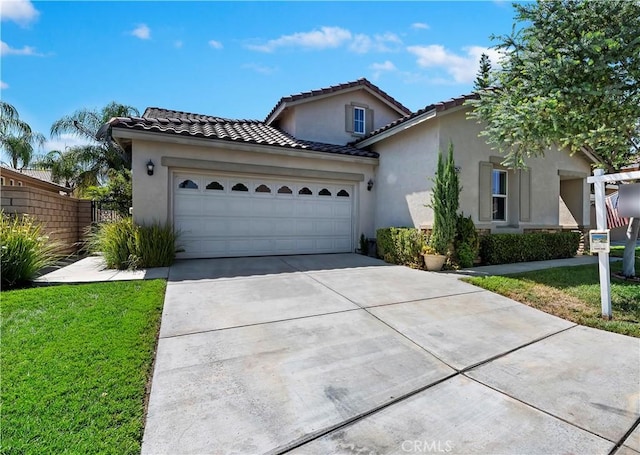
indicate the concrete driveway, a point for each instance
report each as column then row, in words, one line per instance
column 346, row 354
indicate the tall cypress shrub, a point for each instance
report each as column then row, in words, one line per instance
column 444, row 202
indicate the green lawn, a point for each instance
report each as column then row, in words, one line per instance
column 573, row 293
column 75, row 362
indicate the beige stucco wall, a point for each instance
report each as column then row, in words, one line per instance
column 408, row 160
column 323, row 119
column 152, row 195
column 402, row 187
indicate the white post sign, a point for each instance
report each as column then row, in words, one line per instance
column 599, row 180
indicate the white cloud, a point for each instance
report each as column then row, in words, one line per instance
column 215, row 44
column 5, row 49
column 262, row 69
column 142, row 32
column 21, row 12
column 420, row 26
column 4, row 85
column 362, row 44
column 379, row 68
column 65, row 140
column 462, row 68
column 325, row 38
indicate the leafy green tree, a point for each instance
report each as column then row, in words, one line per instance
column 570, row 78
column 483, row 77
column 444, row 202
column 95, row 158
column 116, row 194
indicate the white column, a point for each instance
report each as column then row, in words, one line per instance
column 603, row 258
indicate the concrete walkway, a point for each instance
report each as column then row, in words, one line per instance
column 521, row 267
column 93, row 269
column 346, row 354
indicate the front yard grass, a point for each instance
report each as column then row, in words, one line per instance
column 573, row 293
column 75, row 363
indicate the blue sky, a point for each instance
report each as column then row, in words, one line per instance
column 234, row 59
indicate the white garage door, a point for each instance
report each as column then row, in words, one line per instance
column 226, row 216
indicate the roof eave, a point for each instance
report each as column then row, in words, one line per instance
column 120, row 132
column 282, row 105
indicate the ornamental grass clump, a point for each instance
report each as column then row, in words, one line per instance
column 116, row 241
column 156, row 245
column 24, row 250
column 126, row 245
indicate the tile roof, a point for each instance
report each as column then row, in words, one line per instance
column 362, row 82
column 246, row 131
column 40, row 174
column 43, row 175
column 440, row 106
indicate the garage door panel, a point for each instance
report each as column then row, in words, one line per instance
column 342, row 210
column 271, row 217
column 213, row 205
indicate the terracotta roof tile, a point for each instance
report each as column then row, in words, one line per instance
column 247, row 131
column 362, row 82
column 439, row 107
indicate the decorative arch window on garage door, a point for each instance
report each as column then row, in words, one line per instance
column 324, row 192
column 305, row 191
column 239, row 187
column 215, row 186
column 188, row 184
column 343, row 193
column 263, row 189
column 284, row 190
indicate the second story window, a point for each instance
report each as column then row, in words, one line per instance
column 359, row 123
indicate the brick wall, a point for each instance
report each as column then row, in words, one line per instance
column 65, row 219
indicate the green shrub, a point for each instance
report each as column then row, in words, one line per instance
column 24, row 250
column 156, row 245
column 125, row 245
column 539, row 246
column 465, row 255
column 400, row 245
column 467, row 242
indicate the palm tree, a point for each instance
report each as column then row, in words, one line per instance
column 10, row 122
column 96, row 158
column 20, row 148
column 16, row 137
column 65, row 168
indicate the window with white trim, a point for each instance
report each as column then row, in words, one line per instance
column 499, row 195
column 359, row 120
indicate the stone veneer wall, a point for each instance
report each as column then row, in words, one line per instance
column 65, row 219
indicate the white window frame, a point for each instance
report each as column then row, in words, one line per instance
column 501, row 196
column 357, row 123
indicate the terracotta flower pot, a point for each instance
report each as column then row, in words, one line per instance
column 434, row 262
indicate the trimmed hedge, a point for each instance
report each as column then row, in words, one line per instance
column 400, row 245
column 538, row 246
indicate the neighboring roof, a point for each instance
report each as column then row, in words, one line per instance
column 179, row 123
column 42, row 176
column 430, row 109
column 362, row 82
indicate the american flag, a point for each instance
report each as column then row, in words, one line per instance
column 613, row 220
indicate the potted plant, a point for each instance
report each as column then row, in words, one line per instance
column 432, row 260
column 444, row 202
